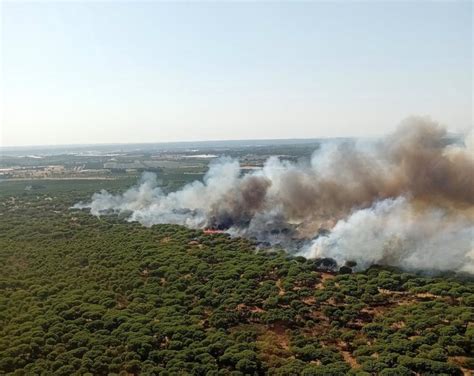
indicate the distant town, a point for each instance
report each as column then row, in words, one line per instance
column 109, row 162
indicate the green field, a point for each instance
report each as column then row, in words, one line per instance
column 73, row 188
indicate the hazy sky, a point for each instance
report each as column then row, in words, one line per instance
column 86, row 72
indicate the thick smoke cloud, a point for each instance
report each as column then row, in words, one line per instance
column 395, row 232
column 406, row 200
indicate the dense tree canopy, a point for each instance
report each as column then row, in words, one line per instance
column 82, row 295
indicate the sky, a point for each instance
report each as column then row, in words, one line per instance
column 131, row 72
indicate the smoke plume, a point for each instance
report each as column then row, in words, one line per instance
column 406, row 200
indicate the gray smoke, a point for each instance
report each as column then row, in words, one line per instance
column 406, row 200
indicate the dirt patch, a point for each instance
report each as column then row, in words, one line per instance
column 390, row 292
column 375, row 311
column 319, row 316
column 310, row 300
column 325, row 276
column 427, row 295
column 281, row 291
column 460, row 362
column 279, row 333
column 252, row 309
column 348, row 358
column 406, row 302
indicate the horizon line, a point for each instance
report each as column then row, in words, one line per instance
column 183, row 142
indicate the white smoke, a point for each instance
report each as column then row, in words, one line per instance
column 146, row 203
column 391, row 232
column 406, row 201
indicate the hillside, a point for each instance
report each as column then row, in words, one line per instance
column 81, row 295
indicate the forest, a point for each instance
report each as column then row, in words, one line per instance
column 81, row 295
